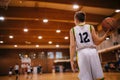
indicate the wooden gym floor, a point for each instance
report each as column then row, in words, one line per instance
column 58, row 76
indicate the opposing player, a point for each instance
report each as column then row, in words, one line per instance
column 83, row 40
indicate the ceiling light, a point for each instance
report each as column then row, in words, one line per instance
column 58, row 31
column 50, row 42
column 75, row 6
column 65, row 37
column 117, row 10
column 10, row 36
column 45, row 20
column 37, row 45
column 40, row 37
column 27, row 42
column 1, row 41
column 25, row 30
column 107, row 38
column 2, row 18
column 37, row 19
column 15, row 46
column 57, row 45
column 21, row 1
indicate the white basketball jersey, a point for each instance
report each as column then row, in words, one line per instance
column 83, row 36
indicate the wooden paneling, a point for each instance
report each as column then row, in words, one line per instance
column 100, row 3
column 8, row 58
column 108, row 57
column 42, row 13
column 29, row 14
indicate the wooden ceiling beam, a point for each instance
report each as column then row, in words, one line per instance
column 93, row 3
column 34, row 36
column 33, row 24
column 25, row 41
column 31, row 30
column 33, row 47
column 41, row 13
column 36, row 43
column 35, row 33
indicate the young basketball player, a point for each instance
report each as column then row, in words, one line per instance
column 83, row 40
column 16, row 68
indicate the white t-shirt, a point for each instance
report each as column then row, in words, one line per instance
column 16, row 67
column 28, row 68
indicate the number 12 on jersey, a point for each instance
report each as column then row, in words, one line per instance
column 84, row 37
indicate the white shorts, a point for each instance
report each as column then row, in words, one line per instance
column 89, row 64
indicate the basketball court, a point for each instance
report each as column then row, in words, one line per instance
column 59, row 76
column 35, row 33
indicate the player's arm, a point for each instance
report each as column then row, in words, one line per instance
column 72, row 49
column 97, row 40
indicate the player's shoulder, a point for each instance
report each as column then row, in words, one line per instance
column 72, row 28
column 89, row 25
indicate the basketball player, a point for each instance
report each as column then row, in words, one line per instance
column 83, row 40
column 29, row 71
column 16, row 68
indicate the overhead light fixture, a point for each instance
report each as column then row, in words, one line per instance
column 37, row 19
column 117, row 10
column 2, row 18
column 75, row 6
column 37, row 45
column 27, row 42
column 50, row 42
column 45, row 20
column 58, row 31
column 57, row 45
column 65, row 37
column 1, row 41
column 10, row 36
column 25, row 30
column 40, row 37
column 108, row 37
column 15, row 46
column 21, row 1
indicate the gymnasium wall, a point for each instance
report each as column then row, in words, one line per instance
column 9, row 57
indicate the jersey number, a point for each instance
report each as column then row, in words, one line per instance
column 84, row 37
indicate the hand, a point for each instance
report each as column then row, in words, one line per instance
column 72, row 66
column 108, row 33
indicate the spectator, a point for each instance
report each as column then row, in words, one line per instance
column 39, row 69
column 29, row 71
column 10, row 71
column 106, row 67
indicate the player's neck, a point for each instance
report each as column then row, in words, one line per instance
column 81, row 23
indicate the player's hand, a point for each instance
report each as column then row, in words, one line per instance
column 72, row 66
column 108, row 32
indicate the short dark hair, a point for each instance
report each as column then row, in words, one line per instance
column 80, row 15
